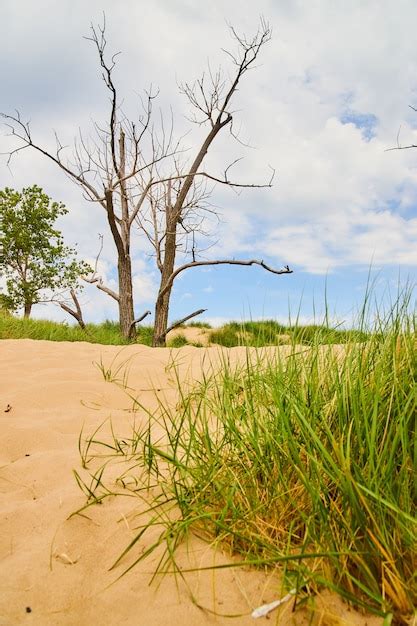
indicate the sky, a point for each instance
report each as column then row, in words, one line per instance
column 331, row 92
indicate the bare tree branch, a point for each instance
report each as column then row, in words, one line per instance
column 413, row 145
column 183, row 320
column 398, row 146
column 186, row 266
column 98, row 282
column 142, row 317
column 99, row 40
column 29, row 143
column 77, row 313
column 101, row 239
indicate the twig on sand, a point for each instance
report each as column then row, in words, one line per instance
column 265, row 609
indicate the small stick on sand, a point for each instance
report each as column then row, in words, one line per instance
column 265, row 609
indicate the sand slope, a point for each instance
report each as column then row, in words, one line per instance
column 54, row 570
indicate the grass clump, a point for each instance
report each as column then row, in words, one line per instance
column 261, row 333
column 304, row 460
column 309, row 460
column 178, row 341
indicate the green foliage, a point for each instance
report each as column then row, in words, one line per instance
column 33, row 257
column 4, row 305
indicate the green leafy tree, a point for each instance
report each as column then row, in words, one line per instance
column 36, row 264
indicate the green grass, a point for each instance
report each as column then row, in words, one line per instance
column 177, row 342
column 106, row 333
column 309, row 335
column 255, row 334
column 198, row 325
column 304, row 460
column 261, row 333
column 270, row 332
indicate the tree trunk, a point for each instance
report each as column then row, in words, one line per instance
column 162, row 303
column 161, row 320
column 28, row 309
column 126, row 311
column 124, row 265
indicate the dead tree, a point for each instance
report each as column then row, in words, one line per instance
column 178, row 203
column 113, row 169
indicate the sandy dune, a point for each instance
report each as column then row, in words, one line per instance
column 193, row 334
column 54, row 570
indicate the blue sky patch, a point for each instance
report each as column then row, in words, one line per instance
column 366, row 122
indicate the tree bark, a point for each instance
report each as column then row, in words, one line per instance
column 164, row 295
column 126, row 312
column 28, row 309
column 124, row 267
column 161, row 321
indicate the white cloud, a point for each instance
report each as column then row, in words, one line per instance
column 355, row 238
column 216, row 321
column 144, row 282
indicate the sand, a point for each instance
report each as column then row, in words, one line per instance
column 55, row 570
